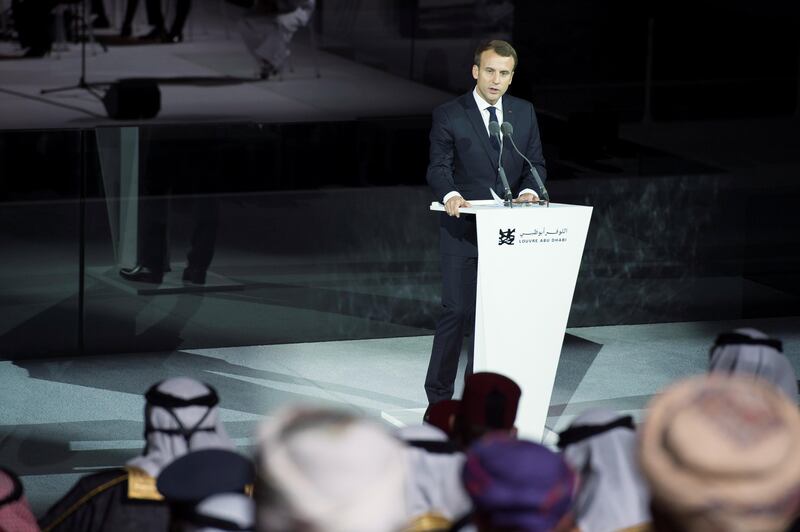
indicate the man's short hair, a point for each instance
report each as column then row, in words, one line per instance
column 501, row 48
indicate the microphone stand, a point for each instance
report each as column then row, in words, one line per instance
column 494, row 129
column 507, row 132
column 82, row 81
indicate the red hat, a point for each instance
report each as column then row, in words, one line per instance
column 490, row 400
column 439, row 414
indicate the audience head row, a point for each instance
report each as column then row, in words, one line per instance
column 715, row 452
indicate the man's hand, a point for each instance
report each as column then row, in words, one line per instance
column 527, row 197
column 455, row 203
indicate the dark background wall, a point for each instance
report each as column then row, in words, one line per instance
column 694, row 197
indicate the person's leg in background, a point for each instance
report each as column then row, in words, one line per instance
column 100, row 18
column 127, row 22
column 156, row 19
column 182, row 9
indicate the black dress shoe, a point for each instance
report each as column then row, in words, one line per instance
column 194, row 275
column 155, row 35
column 173, row 37
column 141, row 274
column 266, row 70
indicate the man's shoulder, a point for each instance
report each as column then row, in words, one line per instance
column 516, row 102
column 459, row 102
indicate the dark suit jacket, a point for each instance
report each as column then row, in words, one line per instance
column 462, row 159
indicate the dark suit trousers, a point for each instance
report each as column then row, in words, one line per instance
column 459, row 285
column 155, row 17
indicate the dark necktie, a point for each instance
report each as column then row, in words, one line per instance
column 493, row 138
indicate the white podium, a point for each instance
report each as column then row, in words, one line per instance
column 528, row 264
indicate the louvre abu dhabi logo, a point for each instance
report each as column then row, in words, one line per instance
column 543, row 235
column 506, row 237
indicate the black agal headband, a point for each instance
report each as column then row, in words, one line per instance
column 742, row 339
column 582, row 432
column 156, row 397
column 169, row 402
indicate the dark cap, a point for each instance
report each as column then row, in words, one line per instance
column 490, row 400
column 200, row 474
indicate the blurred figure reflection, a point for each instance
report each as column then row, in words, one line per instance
column 174, row 172
column 155, row 18
column 268, row 28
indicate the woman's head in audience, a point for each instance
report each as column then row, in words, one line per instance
column 600, row 446
column 517, row 485
column 326, row 470
column 751, row 352
column 181, row 415
column 722, row 453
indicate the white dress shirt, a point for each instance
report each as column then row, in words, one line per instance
column 483, row 106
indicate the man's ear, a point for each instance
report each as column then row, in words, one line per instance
column 475, row 71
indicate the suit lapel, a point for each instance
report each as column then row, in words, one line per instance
column 508, row 116
column 508, row 110
column 475, row 118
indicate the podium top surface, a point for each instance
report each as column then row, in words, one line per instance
column 492, row 205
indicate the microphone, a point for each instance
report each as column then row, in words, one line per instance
column 494, row 131
column 508, row 131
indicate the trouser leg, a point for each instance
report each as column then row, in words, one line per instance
column 154, row 15
column 459, row 283
column 182, row 9
column 205, row 213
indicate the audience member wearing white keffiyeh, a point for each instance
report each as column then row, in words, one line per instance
column 180, row 416
column 749, row 351
column 433, row 484
column 600, row 445
column 325, row 470
column 201, row 426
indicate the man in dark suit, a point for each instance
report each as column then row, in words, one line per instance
column 463, row 165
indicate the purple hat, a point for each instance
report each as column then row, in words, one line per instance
column 518, row 484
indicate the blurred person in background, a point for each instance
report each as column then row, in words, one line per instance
column 722, row 453
column 267, row 30
column 192, row 483
column 488, row 406
column 321, row 470
column 518, row 486
column 181, row 415
column 222, row 512
column 15, row 513
column 751, row 352
column 155, row 18
column 600, row 445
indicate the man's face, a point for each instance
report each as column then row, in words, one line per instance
column 493, row 76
